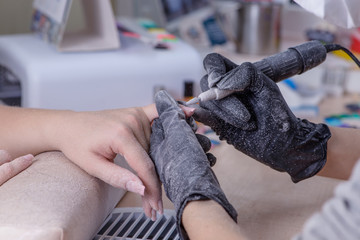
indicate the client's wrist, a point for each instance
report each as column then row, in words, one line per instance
column 207, row 219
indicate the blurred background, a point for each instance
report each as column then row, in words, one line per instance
column 183, row 32
column 15, row 16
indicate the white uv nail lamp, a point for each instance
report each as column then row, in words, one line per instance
column 125, row 77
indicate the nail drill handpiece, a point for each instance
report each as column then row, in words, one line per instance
column 278, row 67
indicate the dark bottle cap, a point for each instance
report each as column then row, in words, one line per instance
column 188, row 88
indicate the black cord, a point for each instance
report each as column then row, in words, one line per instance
column 334, row 47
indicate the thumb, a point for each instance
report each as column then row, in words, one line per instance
column 4, row 157
column 239, row 78
column 150, row 112
column 216, row 67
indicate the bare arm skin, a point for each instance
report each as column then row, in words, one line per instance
column 343, row 150
column 208, row 220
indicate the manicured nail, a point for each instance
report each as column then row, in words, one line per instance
column 153, row 215
column 160, row 206
column 135, row 187
column 28, row 157
column 190, row 109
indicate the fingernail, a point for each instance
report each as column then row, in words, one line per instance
column 153, row 215
column 190, row 109
column 135, row 187
column 160, row 206
column 28, row 157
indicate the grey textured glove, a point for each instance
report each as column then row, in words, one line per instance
column 257, row 121
column 180, row 160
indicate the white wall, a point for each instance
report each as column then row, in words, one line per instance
column 15, row 16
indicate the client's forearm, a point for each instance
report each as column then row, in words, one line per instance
column 343, row 150
column 25, row 131
column 208, row 220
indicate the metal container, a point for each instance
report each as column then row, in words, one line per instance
column 258, row 28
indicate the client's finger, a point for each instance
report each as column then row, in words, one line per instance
column 4, row 157
column 12, row 168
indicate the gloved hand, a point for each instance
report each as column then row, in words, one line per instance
column 257, row 121
column 180, row 159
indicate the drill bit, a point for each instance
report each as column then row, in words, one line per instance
column 212, row 94
column 194, row 100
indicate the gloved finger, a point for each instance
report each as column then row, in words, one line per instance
column 229, row 109
column 204, row 142
column 171, row 116
column 231, row 105
column 204, row 83
column 281, row 118
column 164, row 102
column 216, row 66
column 204, row 116
column 239, row 78
column 176, row 129
column 192, row 123
column 211, row 158
column 14, row 167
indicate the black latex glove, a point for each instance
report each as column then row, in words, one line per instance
column 270, row 133
column 180, row 160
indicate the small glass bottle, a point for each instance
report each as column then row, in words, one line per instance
column 188, row 90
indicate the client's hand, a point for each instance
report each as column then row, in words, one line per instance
column 257, row 121
column 181, row 161
column 92, row 139
column 10, row 167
